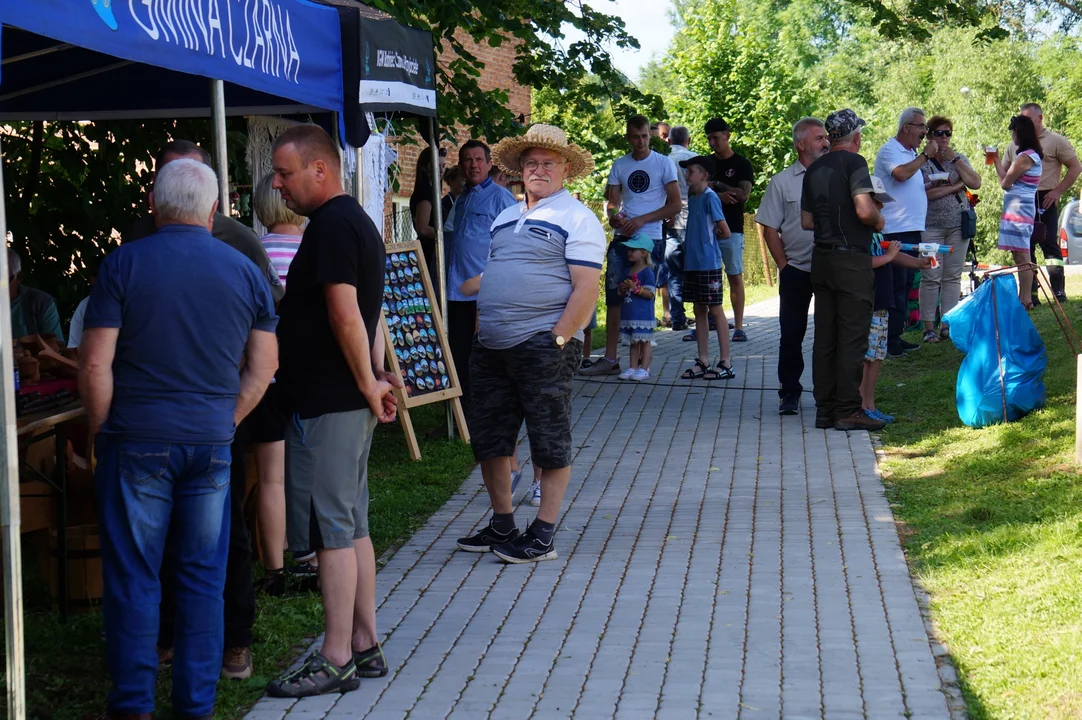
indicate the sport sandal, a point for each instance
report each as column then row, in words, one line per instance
column 725, row 372
column 307, row 681
column 696, row 373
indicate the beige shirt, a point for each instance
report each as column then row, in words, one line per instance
column 780, row 210
column 1057, row 150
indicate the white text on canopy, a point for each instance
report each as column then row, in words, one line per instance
column 257, row 32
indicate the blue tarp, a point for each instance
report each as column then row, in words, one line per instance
column 274, row 49
column 980, row 391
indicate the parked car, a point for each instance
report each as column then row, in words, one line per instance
column 1070, row 232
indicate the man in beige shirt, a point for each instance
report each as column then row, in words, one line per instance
column 1058, row 153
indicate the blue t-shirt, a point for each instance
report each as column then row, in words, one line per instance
column 701, row 251
column 185, row 304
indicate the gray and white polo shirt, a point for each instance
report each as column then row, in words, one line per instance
column 527, row 281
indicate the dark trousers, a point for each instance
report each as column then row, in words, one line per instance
column 844, row 284
column 1049, row 245
column 461, row 327
column 902, row 278
column 795, row 294
column 239, row 593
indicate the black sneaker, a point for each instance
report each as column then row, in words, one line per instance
column 1035, row 300
column 526, row 548
column 273, row 583
column 370, row 663
column 680, row 326
column 789, row 405
column 824, row 422
column 486, row 539
column 1061, row 297
column 908, row 346
column 303, row 570
column 895, row 351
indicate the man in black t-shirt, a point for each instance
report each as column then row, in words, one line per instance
column 836, row 203
column 733, row 181
column 336, row 389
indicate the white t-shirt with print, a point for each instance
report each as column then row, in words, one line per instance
column 642, row 186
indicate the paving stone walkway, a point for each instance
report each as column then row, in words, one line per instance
column 716, row 561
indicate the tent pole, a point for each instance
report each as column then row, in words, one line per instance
column 10, row 504
column 221, row 158
column 437, row 221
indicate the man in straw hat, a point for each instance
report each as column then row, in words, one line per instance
column 537, row 292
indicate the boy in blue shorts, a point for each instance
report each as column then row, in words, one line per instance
column 702, row 268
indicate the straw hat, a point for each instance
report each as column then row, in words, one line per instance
column 508, row 152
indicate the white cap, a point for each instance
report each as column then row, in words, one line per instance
column 879, row 191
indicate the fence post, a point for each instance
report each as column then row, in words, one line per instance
column 1078, row 414
column 767, row 273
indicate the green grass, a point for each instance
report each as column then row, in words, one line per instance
column 991, row 521
column 65, row 664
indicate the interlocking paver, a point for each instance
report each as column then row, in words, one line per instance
column 716, row 561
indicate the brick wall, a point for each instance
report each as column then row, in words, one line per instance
column 497, row 74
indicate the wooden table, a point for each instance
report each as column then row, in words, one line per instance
column 35, row 428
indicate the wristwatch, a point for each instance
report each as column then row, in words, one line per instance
column 560, row 340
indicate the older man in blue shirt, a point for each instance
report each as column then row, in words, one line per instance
column 469, row 233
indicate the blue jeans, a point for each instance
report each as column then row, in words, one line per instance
column 657, row 257
column 674, row 270
column 148, row 493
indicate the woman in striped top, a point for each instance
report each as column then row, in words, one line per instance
column 267, row 423
column 1019, row 181
column 284, row 227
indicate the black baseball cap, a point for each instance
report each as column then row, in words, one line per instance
column 842, row 123
column 703, row 161
column 716, row 125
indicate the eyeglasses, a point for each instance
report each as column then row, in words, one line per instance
column 922, row 126
column 943, row 133
column 548, row 165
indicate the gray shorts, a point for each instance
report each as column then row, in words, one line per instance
column 327, row 479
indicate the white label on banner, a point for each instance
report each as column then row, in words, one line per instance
column 382, row 91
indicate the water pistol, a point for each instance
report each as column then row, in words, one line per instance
column 928, row 250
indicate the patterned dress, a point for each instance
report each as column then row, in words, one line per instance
column 1020, row 208
column 637, row 319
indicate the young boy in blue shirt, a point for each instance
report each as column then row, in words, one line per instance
column 702, row 268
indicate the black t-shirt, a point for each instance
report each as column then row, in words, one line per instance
column 235, row 234
column 732, row 171
column 830, row 185
column 341, row 245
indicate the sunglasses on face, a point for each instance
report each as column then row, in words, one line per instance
column 943, row 133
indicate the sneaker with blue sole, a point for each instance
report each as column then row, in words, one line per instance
column 880, row 415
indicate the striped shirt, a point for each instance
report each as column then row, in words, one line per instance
column 1020, row 208
column 281, row 249
column 527, row 280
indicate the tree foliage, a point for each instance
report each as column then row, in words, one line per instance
column 582, row 69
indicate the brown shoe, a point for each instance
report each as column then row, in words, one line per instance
column 859, row 421
column 237, row 663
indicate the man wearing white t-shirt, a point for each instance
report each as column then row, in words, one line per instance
column 898, row 165
column 642, row 192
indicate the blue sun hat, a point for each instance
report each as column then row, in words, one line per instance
column 640, row 241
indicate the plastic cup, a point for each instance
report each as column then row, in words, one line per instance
column 990, row 154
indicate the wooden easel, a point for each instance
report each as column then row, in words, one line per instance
column 453, row 391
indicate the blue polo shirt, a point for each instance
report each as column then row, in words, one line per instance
column 469, row 233
column 701, row 249
column 185, row 304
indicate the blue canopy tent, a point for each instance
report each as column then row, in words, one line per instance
column 100, row 59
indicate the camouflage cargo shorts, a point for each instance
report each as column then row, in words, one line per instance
column 530, row 381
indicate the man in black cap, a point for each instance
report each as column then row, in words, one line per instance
column 837, row 205
column 732, row 182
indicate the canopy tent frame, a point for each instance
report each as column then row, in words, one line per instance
column 10, row 502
